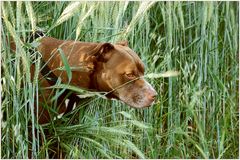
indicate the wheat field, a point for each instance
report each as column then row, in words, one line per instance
column 196, row 114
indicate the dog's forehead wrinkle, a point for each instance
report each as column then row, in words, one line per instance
column 132, row 57
column 135, row 57
column 120, row 50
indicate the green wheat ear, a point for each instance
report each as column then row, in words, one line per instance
column 162, row 75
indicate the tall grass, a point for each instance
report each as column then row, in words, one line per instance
column 196, row 114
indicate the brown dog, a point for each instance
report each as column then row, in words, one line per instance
column 95, row 66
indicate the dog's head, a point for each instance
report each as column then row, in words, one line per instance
column 120, row 70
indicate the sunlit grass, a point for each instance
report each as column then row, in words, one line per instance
column 190, row 50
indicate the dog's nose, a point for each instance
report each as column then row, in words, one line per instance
column 152, row 95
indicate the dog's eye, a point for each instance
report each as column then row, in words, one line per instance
column 130, row 75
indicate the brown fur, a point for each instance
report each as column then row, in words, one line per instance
column 98, row 67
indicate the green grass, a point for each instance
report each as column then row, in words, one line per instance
column 196, row 115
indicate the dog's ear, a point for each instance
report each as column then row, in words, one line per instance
column 105, row 47
column 123, row 43
column 100, row 52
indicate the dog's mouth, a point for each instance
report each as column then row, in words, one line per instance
column 134, row 96
column 131, row 102
column 139, row 102
column 112, row 96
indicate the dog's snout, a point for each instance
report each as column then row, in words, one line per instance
column 152, row 95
